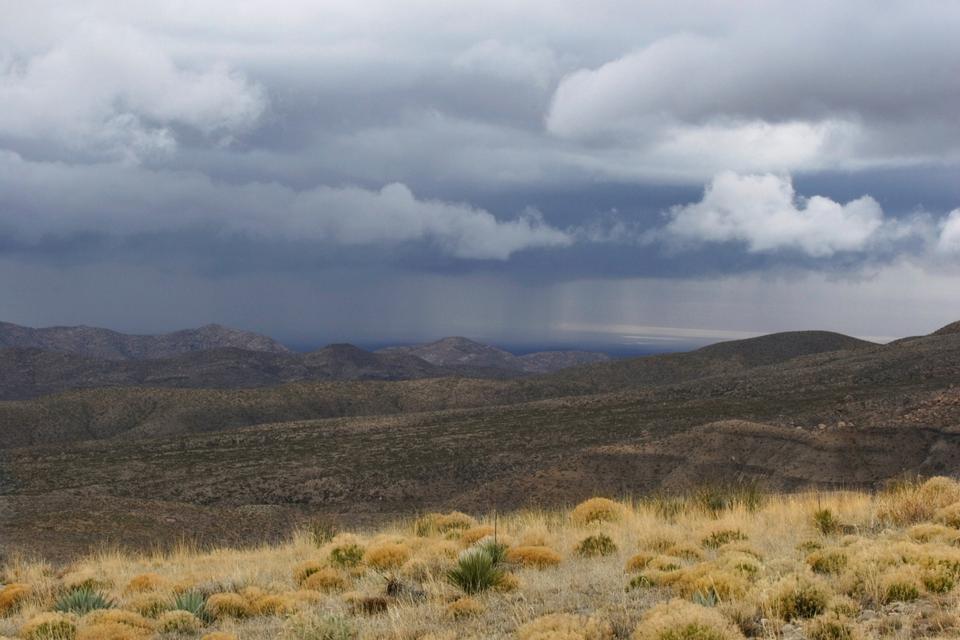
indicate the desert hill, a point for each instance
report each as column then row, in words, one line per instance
column 38, row 362
column 459, row 352
column 94, row 342
column 367, row 451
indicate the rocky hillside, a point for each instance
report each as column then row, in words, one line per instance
column 104, row 344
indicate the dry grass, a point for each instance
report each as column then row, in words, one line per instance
column 887, row 566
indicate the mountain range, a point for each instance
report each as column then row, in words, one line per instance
column 35, row 362
column 797, row 410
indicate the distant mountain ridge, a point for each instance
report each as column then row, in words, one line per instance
column 459, row 351
column 35, row 362
column 106, row 344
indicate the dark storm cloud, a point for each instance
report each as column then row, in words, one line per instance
column 500, row 146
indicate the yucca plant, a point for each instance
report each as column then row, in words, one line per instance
column 476, row 571
column 82, row 600
column 194, row 602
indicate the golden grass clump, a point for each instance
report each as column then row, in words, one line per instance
column 227, row 605
column 597, row 510
column 326, row 579
column 683, row 620
column 112, row 631
column 179, row 622
column 149, row 605
column 117, row 616
column 477, row 533
column 12, row 596
column 389, row 555
column 536, row 557
column 901, row 585
column 49, row 626
column 798, row 597
column 272, row 605
column 949, row 515
column 831, row 627
column 434, row 523
column 219, row 635
column 464, row 607
column 565, row 626
column 910, row 503
column 306, row 569
column 146, row 582
column 708, row 580
column 639, row 562
column 827, row 561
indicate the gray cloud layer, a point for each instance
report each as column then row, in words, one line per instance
column 395, row 140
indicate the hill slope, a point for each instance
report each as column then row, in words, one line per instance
column 105, row 344
column 460, row 352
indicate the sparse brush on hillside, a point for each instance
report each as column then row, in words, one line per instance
column 883, row 565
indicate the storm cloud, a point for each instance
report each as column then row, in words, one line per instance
column 513, row 150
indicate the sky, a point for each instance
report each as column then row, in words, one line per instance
column 579, row 173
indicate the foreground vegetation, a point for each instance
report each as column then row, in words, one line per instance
column 718, row 565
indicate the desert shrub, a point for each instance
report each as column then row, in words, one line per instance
column 82, row 600
column 388, row 555
column 49, row 626
column 464, row 607
column 596, row 545
column 827, row 561
column 227, row 605
column 939, row 579
column 925, row 532
column 825, row 522
column 830, row 628
column 720, row 537
column 178, row 621
column 708, row 580
column 320, row 531
column 565, row 626
column 326, row 579
column 311, row 626
column 433, row 523
column 716, row 498
column 666, row 563
column 949, row 515
column 12, row 596
column 639, row 562
column 145, row 582
column 909, row 501
column 537, row 557
column 807, row 546
column 900, row 586
column 192, row 601
column 682, row 620
column 475, row 571
column 597, row 510
column 347, row 555
column 797, row 597
column 149, row 605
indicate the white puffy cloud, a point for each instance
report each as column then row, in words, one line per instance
column 765, row 213
column 110, row 90
column 949, row 240
column 43, row 200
